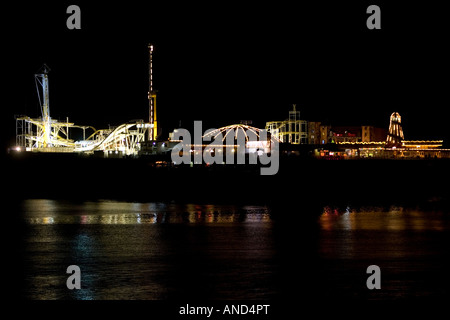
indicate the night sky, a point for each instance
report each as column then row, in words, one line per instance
column 222, row 62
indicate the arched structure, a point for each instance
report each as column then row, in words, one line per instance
column 253, row 138
column 237, row 130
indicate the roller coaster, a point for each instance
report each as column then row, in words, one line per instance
column 48, row 135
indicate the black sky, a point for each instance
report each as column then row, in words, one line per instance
column 223, row 62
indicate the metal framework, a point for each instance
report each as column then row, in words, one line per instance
column 125, row 138
column 292, row 130
column 32, row 134
column 48, row 135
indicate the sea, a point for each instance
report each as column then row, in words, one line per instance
column 173, row 251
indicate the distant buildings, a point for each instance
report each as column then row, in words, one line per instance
column 296, row 131
column 329, row 141
column 341, row 134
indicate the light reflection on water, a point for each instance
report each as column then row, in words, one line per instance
column 147, row 250
column 377, row 218
column 409, row 246
column 164, row 250
column 111, row 212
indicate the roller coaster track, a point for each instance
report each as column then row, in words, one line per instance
column 124, row 138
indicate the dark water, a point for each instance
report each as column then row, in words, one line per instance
column 159, row 251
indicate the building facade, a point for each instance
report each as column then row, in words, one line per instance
column 373, row 134
column 314, row 132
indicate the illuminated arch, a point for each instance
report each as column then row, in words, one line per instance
column 235, row 129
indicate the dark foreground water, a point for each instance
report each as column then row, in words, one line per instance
column 159, row 251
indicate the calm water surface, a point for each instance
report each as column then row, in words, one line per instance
column 158, row 251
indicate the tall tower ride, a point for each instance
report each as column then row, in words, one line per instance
column 153, row 130
column 42, row 78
